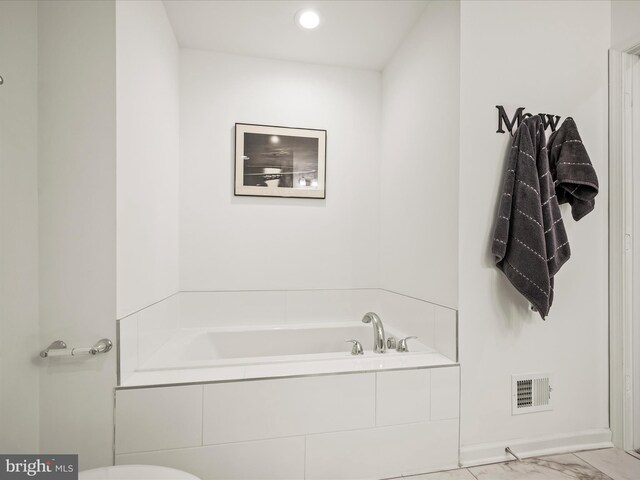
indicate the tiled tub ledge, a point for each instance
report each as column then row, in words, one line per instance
column 291, row 368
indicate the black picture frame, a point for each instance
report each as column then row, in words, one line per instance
column 275, row 161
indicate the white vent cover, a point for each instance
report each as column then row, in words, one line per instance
column 530, row 393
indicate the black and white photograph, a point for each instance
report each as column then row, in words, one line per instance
column 280, row 161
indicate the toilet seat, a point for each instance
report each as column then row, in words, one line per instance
column 135, row 472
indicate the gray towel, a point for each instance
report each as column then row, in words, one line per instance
column 530, row 242
column 575, row 178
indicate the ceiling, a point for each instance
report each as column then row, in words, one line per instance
column 361, row 34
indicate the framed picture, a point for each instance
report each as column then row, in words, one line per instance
column 280, row 161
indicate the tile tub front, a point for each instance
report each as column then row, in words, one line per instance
column 305, row 423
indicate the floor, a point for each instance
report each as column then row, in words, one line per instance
column 607, row 464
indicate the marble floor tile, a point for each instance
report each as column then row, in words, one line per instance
column 461, row 474
column 553, row 467
column 617, row 464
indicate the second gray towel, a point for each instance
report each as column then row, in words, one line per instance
column 571, row 168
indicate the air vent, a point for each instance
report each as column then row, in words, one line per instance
column 530, row 393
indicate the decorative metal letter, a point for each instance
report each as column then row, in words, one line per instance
column 548, row 120
column 514, row 122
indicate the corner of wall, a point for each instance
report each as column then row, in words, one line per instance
column 420, row 159
column 148, row 140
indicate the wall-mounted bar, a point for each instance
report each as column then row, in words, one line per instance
column 59, row 349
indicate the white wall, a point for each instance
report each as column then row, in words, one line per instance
column 625, row 24
column 636, row 258
column 506, row 60
column 147, row 166
column 419, row 166
column 77, row 207
column 18, row 227
column 229, row 242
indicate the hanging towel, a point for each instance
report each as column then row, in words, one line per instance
column 575, row 178
column 530, row 242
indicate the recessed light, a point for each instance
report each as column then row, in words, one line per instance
column 307, row 19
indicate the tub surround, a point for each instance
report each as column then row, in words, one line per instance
column 211, row 379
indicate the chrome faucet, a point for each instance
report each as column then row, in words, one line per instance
column 379, row 344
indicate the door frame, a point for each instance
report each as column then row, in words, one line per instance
column 621, row 262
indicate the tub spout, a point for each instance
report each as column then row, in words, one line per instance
column 379, row 343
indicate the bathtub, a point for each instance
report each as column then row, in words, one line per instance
column 228, row 353
column 263, row 385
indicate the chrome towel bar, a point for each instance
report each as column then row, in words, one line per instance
column 59, row 349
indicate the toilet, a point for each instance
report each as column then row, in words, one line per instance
column 135, row 472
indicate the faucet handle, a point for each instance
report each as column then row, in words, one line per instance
column 402, row 344
column 392, row 343
column 357, row 347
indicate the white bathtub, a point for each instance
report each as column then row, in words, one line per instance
column 226, row 353
column 267, row 377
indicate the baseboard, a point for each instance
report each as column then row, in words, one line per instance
column 533, row 447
